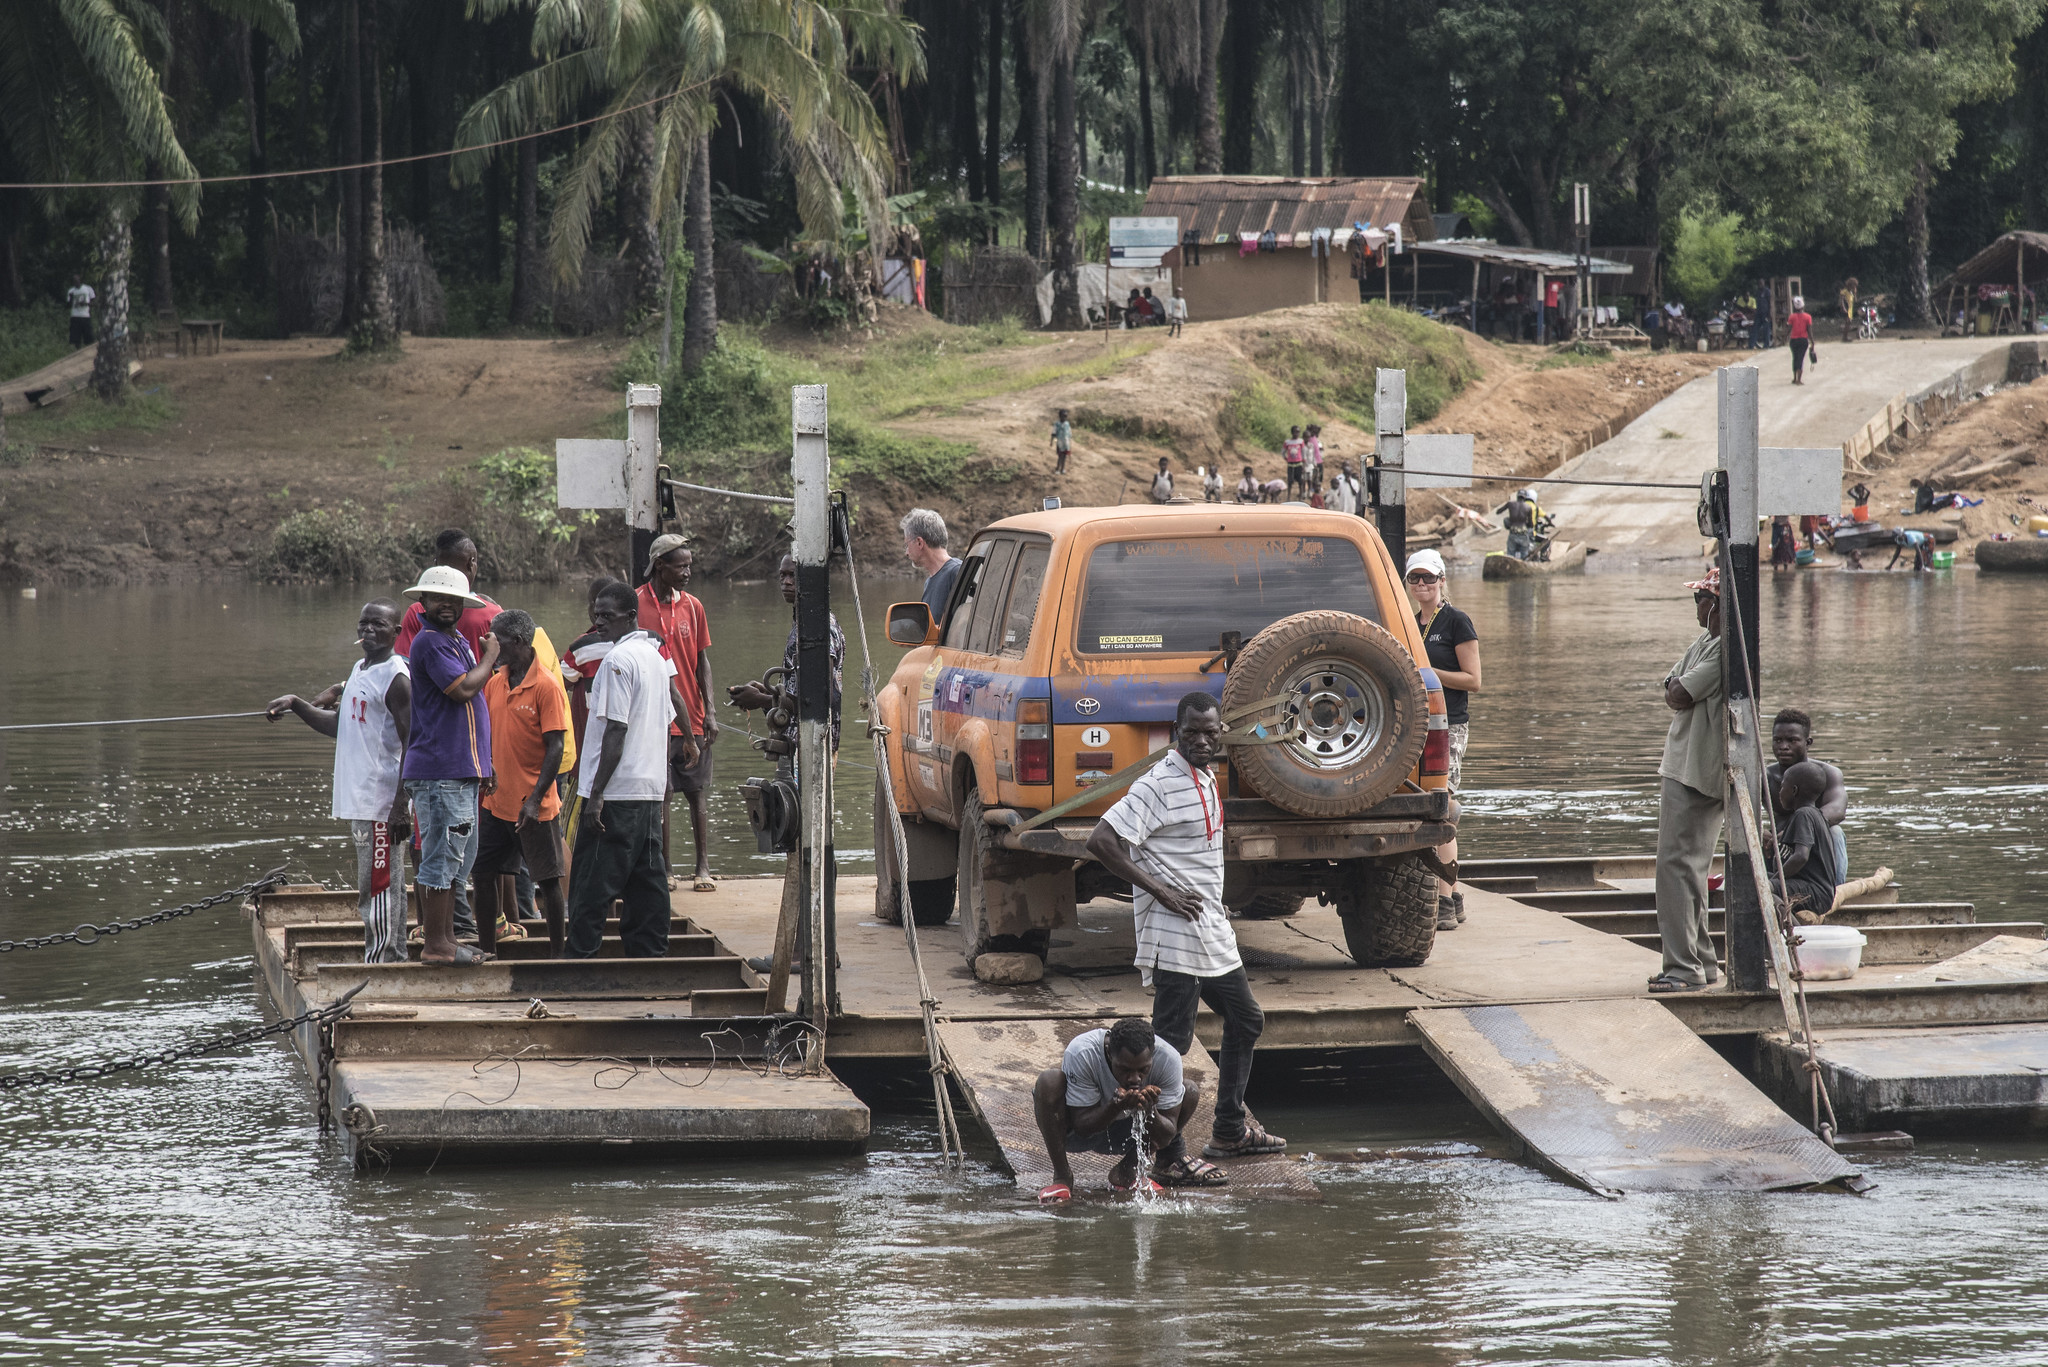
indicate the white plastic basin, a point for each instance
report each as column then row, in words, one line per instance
column 1829, row 953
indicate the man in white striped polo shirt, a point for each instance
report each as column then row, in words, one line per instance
column 1166, row 837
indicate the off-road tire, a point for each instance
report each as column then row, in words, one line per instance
column 931, row 899
column 1390, row 919
column 1269, row 905
column 1278, row 656
column 975, row 940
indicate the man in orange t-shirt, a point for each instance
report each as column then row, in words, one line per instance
column 677, row 620
column 518, row 811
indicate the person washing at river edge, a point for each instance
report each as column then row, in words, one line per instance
column 370, row 730
column 1108, row 1083
column 529, row 733
column 1694, row 784
column 449, row 756
column 677, row 620
column 1165, row 838
column 1452, row 643
column 620, row 855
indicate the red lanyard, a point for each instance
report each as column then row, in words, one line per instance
column 1210, row 825
column 667, row 617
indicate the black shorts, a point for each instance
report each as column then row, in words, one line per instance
column 81, row 332
column 500, row 845
column 688, row 779
column 1116, row 1139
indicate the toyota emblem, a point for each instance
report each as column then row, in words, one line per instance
column 1087, row 707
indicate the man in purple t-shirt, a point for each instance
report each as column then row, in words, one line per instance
column 449, row 755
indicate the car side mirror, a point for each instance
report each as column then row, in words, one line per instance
column 910, row 624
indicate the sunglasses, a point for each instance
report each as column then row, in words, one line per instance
column 1423, row 578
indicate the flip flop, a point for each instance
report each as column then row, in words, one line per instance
column 704, row 884
column 1152, row 1187
column 1664, row 984
column 465, row 957
column 510, row 930
column 1057, row 1194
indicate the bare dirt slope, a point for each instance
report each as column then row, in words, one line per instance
column 269, row 428
column 1994, row 448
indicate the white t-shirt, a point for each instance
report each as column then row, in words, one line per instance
column 1162, row 487
column 80, row 298
column 631, row 687
column 367, row 751
column 1090, row 1082
column 1173, row 819
column 1344, row 494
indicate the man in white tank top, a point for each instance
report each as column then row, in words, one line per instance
column 370, row 726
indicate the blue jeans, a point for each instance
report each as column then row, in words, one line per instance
column 445, row 809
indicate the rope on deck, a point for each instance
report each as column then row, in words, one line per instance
column 127, row 721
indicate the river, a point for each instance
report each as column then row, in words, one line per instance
column 191, row 1214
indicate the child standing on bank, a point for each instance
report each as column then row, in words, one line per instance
column 1062, row 442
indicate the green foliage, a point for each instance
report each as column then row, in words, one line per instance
column 1576, row 354
column 1337, row 375
column 345, row 543
column 86, row 415
column 922, row 462
column 736, row 400
column 32, row 337
column 1706, row 255
column 1485, row 222
column 1257, row 415
column 521, row 481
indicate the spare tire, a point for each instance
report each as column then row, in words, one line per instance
column 1353, row 696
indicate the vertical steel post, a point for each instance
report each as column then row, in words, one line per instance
column 810, row 467
column 643, row 456
column 1390, row 418
column 1747, row 946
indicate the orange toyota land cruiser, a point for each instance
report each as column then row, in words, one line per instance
column 1071, row 636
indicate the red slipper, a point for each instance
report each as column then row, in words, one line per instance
column 1059, row 1193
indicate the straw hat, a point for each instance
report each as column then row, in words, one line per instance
column 447, row 582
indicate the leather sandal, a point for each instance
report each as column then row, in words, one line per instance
column 1254, row 1141
column 1664, row 984
column 1190, row 1172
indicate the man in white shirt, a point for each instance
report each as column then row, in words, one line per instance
column 1344, row 490
column 370, row 730
column 80, row 297
column 620, row 855
column 1165, row 836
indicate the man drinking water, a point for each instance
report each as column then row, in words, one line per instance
column 1092, row 1103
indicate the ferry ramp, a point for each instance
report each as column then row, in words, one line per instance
column 1618, row 1096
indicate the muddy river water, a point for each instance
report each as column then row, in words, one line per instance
column 191, row 1214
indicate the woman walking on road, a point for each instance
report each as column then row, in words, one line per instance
column 1453, row 645
column 1799, row 327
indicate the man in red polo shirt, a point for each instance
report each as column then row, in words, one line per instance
column 676, row 619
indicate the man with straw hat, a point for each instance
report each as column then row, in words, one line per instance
column 1694, row 775
column 449, row 754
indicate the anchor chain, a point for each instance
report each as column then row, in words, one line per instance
column 86, row 1072
column 90, row 934
column 323, row 1075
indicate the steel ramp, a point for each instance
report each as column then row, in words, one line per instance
column 1618, row 1096
column 997, row 1065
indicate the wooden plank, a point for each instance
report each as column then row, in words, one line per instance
column 997, row 1064
column 1618, row 1096
column 54, row 382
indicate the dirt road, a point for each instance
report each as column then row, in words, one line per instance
column 1676, row 441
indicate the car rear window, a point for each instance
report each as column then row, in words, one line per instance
column 1179, row 597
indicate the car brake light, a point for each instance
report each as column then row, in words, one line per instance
column 1436, row 747
column 1034, row 740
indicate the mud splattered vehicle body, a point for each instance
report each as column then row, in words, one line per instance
column 1070, row 638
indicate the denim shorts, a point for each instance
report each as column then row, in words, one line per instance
column 445, row 810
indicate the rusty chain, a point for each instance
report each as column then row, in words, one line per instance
column 86, row 1072
column 90, row 934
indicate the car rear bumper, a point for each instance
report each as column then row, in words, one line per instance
column 1256, row 832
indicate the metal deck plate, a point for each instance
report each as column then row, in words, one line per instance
column 998, row 1063
column 1618, row 1096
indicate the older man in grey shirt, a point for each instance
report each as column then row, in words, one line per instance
column 1695, row 781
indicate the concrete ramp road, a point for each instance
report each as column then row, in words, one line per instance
column 1676, row 441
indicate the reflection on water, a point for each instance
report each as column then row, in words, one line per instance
column 189, row 1214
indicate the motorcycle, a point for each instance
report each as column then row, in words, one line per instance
column 1541, row 535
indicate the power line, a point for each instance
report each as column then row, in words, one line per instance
column 333, row 170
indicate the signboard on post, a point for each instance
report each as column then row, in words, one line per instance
column 1439, row 460
column 1141, row 242
column 590, row 474
column 619, row 474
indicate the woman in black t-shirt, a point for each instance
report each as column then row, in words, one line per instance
column 1453, row 646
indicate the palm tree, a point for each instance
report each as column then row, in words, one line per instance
column 660, row 67
column 81, row 99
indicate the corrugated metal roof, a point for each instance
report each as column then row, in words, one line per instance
column 1216, row 207
column 1520, row 258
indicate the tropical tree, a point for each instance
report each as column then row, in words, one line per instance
column 664, row 69
column 82, row 99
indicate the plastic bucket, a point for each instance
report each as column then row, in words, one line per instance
column 1803, row 556
column 1829, row 953
column 1944, row 560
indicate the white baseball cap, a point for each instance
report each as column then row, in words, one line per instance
column 1426, row 560
column 446, row 581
